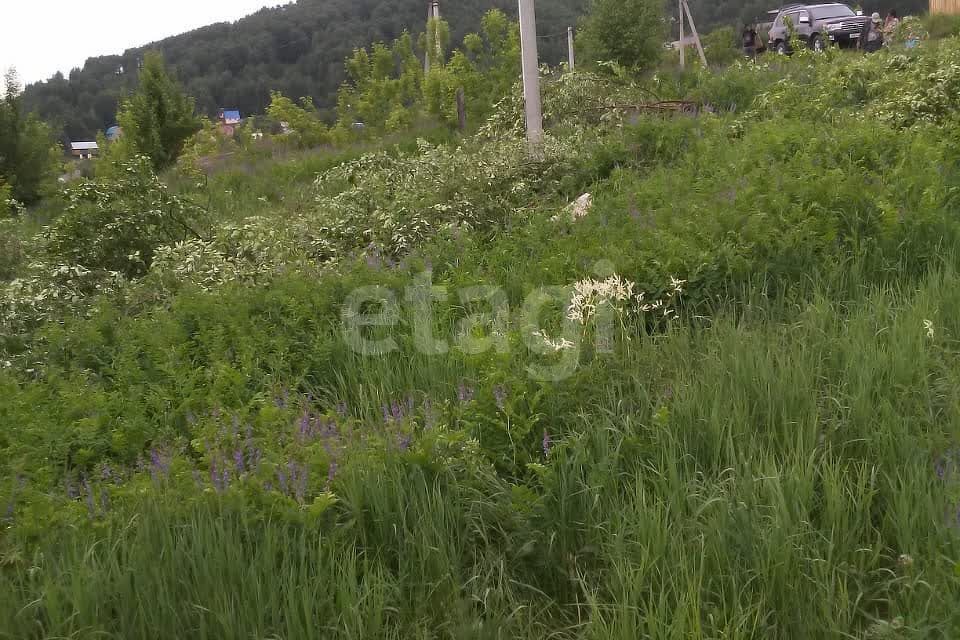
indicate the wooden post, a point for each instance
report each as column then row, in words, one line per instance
column 571, row 55
column 696, row 36
column 462, row 109
column 531, row 76
column 683, row 52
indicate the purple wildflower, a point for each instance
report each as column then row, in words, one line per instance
column 72, row 492
column 219, row 476
column 331, row 473
column 104, row 500
column 282, row 481
column 547, row 443
column 396, row 411
column 88, row 493
column 159, row 465
column 253, row 459
column 429, row 415
column 500, row 396
column 304, row 427
column 298, row 480
column 342, row 409
column 941, row 468
column 403, row 442
column 464, row 393
column 239, row 462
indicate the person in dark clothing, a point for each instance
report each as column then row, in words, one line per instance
column 872, row 38
column 750, row 41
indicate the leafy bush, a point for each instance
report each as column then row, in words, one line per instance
column 11, row 253
column 628, row 32
column 941, row 25
column 118, row 225
column 722, row 47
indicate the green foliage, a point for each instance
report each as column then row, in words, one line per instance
column 942, row 26
column 11, row 249
column 297, row 49
column 305, row 127
column 776, row 389
column 158, row 119
column 388, row 92
column 29, row 159
column 202, row 148
column 722, row 47
column 629, row 32
column 118, row 225
column 896, row 89
column 384, row 87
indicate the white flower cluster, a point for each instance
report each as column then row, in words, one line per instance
column 557, row 344
column 589, row 295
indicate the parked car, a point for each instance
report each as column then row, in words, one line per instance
column 817, row 25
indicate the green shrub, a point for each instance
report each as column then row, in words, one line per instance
column 11, row 253
column 942, row 26
column 722, row 47
column 117, row 225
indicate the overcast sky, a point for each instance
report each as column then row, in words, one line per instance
column 41, row 37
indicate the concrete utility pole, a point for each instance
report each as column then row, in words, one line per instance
column 686, row 15
column 683, row 49
column 433, row 33
column 696, row 36
column 531, row 75
column 426, row 48
column 571, row 55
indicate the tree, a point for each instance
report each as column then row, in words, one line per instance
column 28, row 155
column 630, row 32
column 159, row 117
column 306, row 128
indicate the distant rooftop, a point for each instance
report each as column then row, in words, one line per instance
column 230, row 116
column 84, row 146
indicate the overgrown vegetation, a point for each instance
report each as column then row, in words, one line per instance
column 28, row 159
column 407, row 390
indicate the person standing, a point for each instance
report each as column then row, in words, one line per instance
column 871, row 38
column 890, row 25
column 750, row 41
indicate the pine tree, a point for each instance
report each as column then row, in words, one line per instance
column 159, row 117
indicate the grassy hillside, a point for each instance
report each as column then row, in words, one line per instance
column 402, row 392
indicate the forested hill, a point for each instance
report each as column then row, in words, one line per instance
column 298, row 49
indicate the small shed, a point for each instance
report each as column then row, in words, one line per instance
column 84, row 150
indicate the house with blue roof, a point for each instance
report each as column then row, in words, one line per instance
column 228, row 120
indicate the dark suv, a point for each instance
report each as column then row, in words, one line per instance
column 816, row 25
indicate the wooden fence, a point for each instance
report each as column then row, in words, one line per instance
column 945, row 6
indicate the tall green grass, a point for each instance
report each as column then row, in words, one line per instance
column 754, row 479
